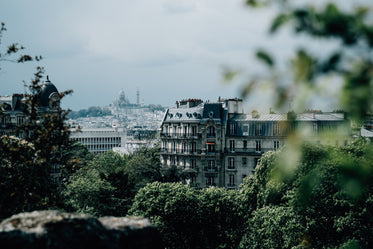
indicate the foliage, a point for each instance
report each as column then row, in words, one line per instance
column 24, row 177
column 93, row 111
column 273, row 227
column 121, row 177
column 89, row 193
column 349, row 60
column 190, row 218
column 47, row 137
column 326, row 203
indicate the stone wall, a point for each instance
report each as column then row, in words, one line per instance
column 57, row 230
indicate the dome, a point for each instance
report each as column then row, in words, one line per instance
column 47, row 91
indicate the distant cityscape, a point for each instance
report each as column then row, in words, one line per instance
column 214, row 143
column 122, row 126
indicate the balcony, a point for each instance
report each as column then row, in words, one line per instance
column 243, row 150
column 231, row 169
column 173, row 135
column 210, row 135
column 179, row 151
column 210, row 169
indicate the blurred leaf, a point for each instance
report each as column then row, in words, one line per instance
column 303, row 66
column 265, row 57
column 229, row 74
column 248, row 88
column 331, row 64
column 279, row 21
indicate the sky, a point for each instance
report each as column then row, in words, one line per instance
column 168, row 49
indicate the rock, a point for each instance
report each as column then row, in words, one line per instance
column 54, row 229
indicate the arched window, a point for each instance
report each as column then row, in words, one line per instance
column 211, row 131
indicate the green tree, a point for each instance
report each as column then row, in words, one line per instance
column 24, row 178
column 325, row 202
column 274, row 227
column 48, row 139
column 87, row 192
column 122, row 175
column 190, row 218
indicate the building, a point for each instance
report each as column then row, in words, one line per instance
column 99, row 140
column 218, row 144
column 12, row 107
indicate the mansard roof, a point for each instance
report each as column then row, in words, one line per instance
column 284, row 117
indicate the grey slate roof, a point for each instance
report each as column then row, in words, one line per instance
column 283, row 117
column 184, row 114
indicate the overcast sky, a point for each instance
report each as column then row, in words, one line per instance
column 169, row 49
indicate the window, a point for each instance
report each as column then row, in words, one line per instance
column 211, row 165
column 193, row 179
column 231, row 145
column 210, row 181
column 4, row 120
column 211, row 131
column 231, row 163
column 174, row 147
column 194, row 130
column 183, row 147
column 258, row 129
column 232, row 129
column 185, row 130
column 20, row 120
column 210, row 147
column 256, row 162
column 231, row 180
column 245, row 144
column 276, row 129
column 258, row 146
column 166, row 129
column 244, row 161
column 276, row 145
column 194, row 146
column 193, row 163
column 245, row 130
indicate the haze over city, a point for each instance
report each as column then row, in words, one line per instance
column 170, row 50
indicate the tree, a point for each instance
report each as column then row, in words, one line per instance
column 325, row 203
column 24, row 178
column 274, row 227
column 88, row 193
column 190, row 218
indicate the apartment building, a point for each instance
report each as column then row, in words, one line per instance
column 218, row 144
column 99, row 140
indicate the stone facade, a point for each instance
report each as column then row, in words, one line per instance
column 219, row 145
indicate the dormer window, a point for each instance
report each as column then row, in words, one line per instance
column 54, row 101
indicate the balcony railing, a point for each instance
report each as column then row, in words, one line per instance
column 243, row 150
column 179, row 151
column 176, row 135
column 209, row 169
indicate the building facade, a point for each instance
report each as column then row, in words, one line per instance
column 217, row 144
column 99, row 140
column 12, row 107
